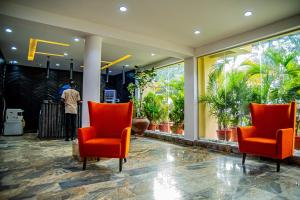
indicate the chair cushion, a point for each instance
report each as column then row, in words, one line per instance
column 103, row 147
column 259, row 146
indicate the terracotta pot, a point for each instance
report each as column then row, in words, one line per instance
column 164, row 127
column 179, row 129
column 152, row 126
column 234, row 136
column 224, row 134
column 139, row 125
column 297, row 142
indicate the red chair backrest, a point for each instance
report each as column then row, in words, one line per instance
column 109, row 119
column 269, row 118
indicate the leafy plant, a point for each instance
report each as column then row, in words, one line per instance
column 177, row 96
column 152, row 106
column 143, row 79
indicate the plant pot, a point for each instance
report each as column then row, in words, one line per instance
column 234, row 137
column 139, row 125
column 179, row 128
column 297, row 142
column 164, row 127
column 224, row 134
column 152, row 126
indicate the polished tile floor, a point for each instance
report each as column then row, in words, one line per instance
column 34, row 169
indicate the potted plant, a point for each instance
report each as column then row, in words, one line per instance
column 152, row 107
column 216, row 99
column 143, row 79
column 177, row 110
column 164, row 125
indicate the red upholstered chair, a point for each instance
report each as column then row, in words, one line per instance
column 272, row 132
column 109, row 132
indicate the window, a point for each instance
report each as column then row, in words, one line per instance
column 164, row 101
column 264, row 72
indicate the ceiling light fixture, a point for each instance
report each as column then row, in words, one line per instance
column 13, row 62
column 13, row 48
column 197, row 32
column 8, row 30
column 153, row 54
column 57, row 64
column 110, row 71
column 82, row 66
column 248, row 13
column 123, row 9
column 126, row 65
column 66, row 54
column 76, row 39
column 33, row 45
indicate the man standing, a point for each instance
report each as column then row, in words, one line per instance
column 71, row 98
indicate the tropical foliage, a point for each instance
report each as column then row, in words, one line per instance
column 143, row 79
column 270, row 76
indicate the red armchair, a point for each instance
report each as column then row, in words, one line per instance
column 272, row 132
column 109, row 132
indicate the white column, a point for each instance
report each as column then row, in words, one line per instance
column 190, row 99
column 91, row 75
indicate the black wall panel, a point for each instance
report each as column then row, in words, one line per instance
column 27, row 87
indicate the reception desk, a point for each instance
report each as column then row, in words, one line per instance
column 52, row 120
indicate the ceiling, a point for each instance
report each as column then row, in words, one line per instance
column 174, row 20
column 165, row 28
column 24, row 30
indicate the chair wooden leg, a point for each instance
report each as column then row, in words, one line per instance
column 120, row 164
column 244, row 158
column 278, row 166
column 125, row 160
column 84, row 163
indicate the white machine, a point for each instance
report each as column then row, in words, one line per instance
column 13, row 122
column 110, row 96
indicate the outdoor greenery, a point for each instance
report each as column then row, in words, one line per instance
column 143, row 79
column 269, row 74
column 152, row 105
column 177, row 96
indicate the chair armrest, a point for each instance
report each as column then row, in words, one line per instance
column 245, row 132
column 285, row 142
column 86, row 133
column 125, row 141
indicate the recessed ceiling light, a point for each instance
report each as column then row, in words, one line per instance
column 81, row 66
column 8, row 30
column 123, row 9
column 197, row 32
column 153, row 54
column 76, row 39
column 13, row 62
column 248, row 13
column 110, row 71
column 57, row 64
column 126, row 65
column 66, row 54
column 13, row 48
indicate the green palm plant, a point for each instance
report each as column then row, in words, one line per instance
column 279, row 76
column 177, row 96
column 152, row 105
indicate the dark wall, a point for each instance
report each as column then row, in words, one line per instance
column 26, row 88
column 115, row 82
column 2, row 102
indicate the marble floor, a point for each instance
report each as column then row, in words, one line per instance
column 35, row 169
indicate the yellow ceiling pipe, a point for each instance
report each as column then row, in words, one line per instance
column 50, row 54
column 116, row 61
column 32, row 49
column 33, row 44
